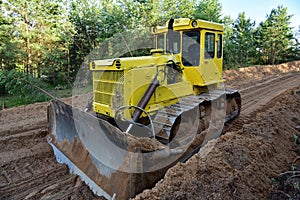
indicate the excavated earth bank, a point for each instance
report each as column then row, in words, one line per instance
column 244, row 163
column 241, row 163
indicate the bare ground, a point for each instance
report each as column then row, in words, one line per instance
column 244, row 163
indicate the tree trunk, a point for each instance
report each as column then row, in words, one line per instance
column 28, row 49
column 1, row 64
column 39, row 55
column 69, row 62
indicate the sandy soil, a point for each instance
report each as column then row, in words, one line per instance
column 241, row 163
column 28, row 168
column 244, row 163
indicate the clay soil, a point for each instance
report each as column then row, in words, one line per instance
column 255, row 158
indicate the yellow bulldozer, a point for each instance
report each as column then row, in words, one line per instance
column 151, row 111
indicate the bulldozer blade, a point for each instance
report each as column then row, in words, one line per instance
column 93, row 149
column 112, row 163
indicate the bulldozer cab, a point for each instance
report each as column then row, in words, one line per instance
column 199, row 45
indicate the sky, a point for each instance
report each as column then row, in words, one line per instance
column 258, row 9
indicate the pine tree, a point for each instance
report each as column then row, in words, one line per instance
column 275, row 36
column 210, row 10
column 239, row 42
column 243, row 39
column 229, row 60
column 297, row 45
column 8, row 48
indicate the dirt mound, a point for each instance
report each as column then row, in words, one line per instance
column 240, row 164
column 242, row 78
column 27, row 117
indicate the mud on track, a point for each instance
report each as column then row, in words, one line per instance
column 255, row 148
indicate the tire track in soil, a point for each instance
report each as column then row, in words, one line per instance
column 32, row 137
column 28, row 168
column 258, row 95
column 34, row 173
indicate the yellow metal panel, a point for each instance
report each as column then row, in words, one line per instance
column 209, row 67
column 126, row 63
column 173, row 91
column 140, row 81
column 104, row 90
column 186, row 24
column 103, row 109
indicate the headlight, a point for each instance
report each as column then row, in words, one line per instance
column 154, row 29
column 194, row 23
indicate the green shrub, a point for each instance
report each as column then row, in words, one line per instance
column 21, row 86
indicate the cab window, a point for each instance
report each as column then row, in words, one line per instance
column 191, row 48
column 160, row 41
column 175, row 43
column 209, row 45
column 220, row 46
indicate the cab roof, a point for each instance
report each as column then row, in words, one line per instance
column 187, row 24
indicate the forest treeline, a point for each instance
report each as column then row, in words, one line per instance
column 49, row 39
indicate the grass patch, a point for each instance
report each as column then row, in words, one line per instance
column 10, row 100
column 61, row 93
